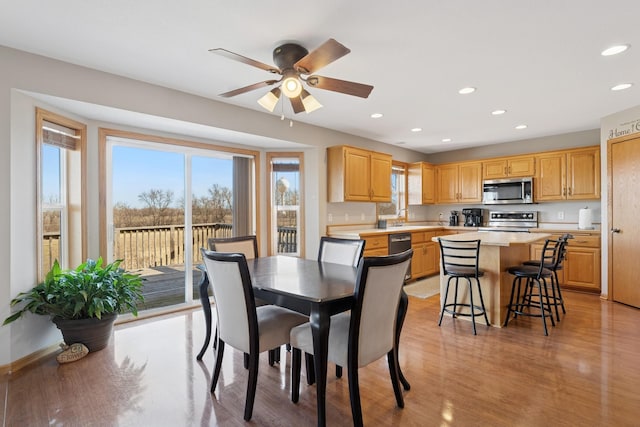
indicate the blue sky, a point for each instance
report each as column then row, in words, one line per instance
column 137, row 170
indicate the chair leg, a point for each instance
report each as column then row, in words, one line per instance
column 455, row 299
column 564, row 311
column 272, row 357
column 251, row 386
column 544, row 317
column 338, row 371
column 310, row 367
column 473, row 311
column 484, row 310
column 546, row 296
column 245, row 360
column 216, row 369
column 296, row 356
column 510, row 307
column 444, row 301
column 206, row 307
column 554, row 297
column 354, row 394
column 393, row 372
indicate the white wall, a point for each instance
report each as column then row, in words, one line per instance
column 23, row 74
column 619, row 124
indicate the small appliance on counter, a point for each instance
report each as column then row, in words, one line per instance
column 453, row 219
column 472, row 217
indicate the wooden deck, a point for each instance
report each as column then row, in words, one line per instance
column 164, row 286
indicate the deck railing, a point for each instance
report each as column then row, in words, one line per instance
column 144, row 247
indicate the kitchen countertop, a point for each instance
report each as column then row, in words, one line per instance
column 370, row 231
column 498, row 238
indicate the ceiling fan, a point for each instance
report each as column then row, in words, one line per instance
column 296, row 65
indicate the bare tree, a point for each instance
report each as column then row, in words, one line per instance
column 220, row 202
column 157, row 203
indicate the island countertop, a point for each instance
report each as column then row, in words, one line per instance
column 498, row 238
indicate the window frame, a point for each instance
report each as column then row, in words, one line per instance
column 74, row 192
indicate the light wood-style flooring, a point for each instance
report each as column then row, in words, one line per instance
column 585, row 373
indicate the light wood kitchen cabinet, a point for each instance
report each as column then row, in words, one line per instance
column 459, row 183
column 425, row 260
column 581, row 267
column 422, row 183
column 377, row 245
column 568, row 175
column 357, row 175
column 509, row 167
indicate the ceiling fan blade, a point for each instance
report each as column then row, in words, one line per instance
column 342, row 86
column 247, row 88
column 237, row 57
column 296, row 103
column 323, row 55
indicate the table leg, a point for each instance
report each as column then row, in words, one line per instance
column 320, row 322
column 206, row 306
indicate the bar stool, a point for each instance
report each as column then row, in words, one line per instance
column 556, row 293
column 460, row 260
column 536, row 276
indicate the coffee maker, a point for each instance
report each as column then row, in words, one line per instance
column 472, row 217
column 453, row 219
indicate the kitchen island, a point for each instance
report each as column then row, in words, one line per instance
column 498, row 251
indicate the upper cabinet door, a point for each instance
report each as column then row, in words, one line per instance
column 422, row 183
column 470, row 182
column 583, row 174
column 509, row 167
column 380, row 177
column 551, row 176
column 447, row 183
column 357, row 174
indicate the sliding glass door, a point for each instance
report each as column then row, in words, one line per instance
column 163, row 201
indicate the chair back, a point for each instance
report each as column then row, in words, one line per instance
column 551, row 255
column 340, row 251
column 562, row 250
column 246, row 245
column 460, row 257
column 377, row 295
column 235, row 305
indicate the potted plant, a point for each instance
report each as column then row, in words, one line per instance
column 83, row 302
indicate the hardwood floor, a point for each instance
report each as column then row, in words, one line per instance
column 586, row 372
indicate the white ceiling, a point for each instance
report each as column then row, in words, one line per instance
column 539, row 60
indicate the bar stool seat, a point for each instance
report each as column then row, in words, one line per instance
column 460, row 260
column 534, row 276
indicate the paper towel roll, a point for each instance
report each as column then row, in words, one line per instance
column 584, row 219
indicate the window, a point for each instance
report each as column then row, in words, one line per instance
column 285, row 213
column 398, row 206
column 61, row 176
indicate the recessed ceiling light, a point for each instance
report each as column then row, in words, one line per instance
column 416, row 130
column 614, row 50
column 622, row 86
column 498, row 112
column 466, row 90
column 519, row 127
column 446, row 139
column 376, row 115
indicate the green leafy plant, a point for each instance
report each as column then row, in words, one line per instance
column 88, row 291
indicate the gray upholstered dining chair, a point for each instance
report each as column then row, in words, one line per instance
column 366, row 333
column 337, row 251
column 248, row 246
column 241, row 324
column 341, row 251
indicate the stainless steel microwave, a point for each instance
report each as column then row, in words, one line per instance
column 507, row 191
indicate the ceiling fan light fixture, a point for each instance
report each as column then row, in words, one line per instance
column 291, row 85
column 270, row 99
column 310, row 103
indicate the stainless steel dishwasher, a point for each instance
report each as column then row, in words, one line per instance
column 400, row 242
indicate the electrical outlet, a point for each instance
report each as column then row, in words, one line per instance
column 346, row 217
column 440, row 216
column 330, row 218
column 560, row 214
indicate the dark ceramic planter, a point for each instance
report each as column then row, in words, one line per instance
column 93, row 332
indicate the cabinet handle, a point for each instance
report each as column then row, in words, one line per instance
column 569, row 190
column 509, row 169
column 505, row 170
column 564, row 191
column 615, row 230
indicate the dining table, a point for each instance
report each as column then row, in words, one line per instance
column 314, row 288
